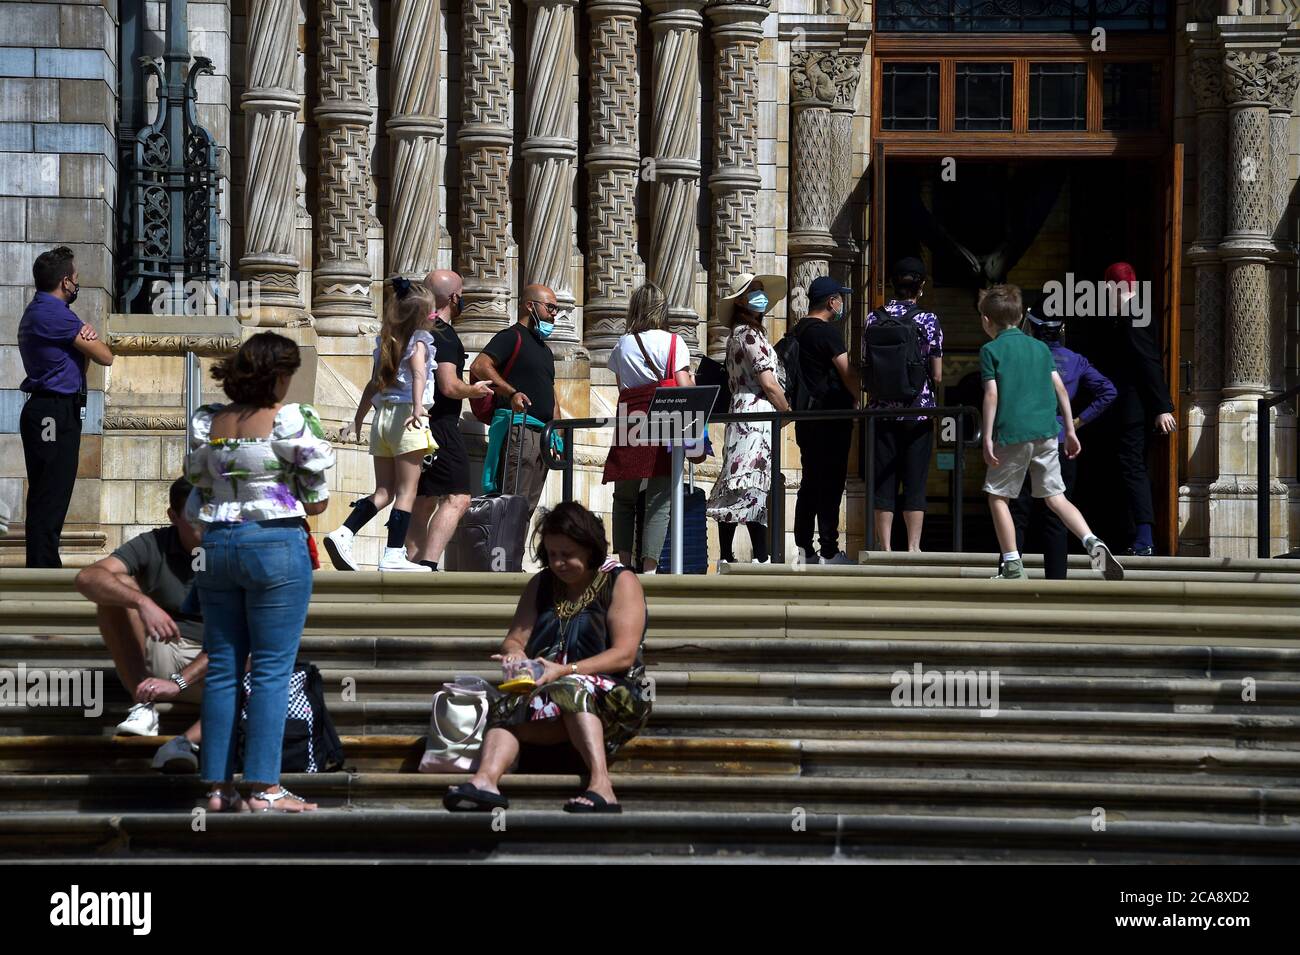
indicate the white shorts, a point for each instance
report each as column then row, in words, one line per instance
column 1040, row 458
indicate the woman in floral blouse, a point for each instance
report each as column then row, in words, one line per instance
column 757, row 384
column 258, row 467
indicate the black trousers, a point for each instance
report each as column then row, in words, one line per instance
column 1028, row 512
column 824, row 450
column 51, row 433
column 1131, row 451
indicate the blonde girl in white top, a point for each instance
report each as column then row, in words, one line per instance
column 402, row 391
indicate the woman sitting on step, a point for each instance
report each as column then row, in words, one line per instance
column 584, row 619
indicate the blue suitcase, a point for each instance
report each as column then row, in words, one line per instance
column 695, row 536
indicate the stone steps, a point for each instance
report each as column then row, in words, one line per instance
column 949, row 563
column 816, row 688
column 29, row 593
column 761, row 755
column 1102, row 624
column 768, row 655
column 1267, row 805
column 1100, row 727
column 523, row 835
column 773, row 692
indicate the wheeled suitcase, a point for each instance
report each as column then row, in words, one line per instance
column 491, row 533
column 695, row 531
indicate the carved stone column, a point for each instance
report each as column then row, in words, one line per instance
column 1283, row 93
column 823, row 87
column 1250, row 70
column 341, row 281
column 613, row 170
column 1206, row 79
column 415, row 131
column 485, row 140
column 737, row 29
column 551, row 155
column 674, row 240
column 1249, row 244
column 845, row 257
column 270, row 104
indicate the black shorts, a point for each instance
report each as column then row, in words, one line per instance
column 902, row 457
column 449, row 472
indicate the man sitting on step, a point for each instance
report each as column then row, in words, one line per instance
column 157, row 649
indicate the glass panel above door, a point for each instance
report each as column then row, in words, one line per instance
column 984, row 92
column 910, row 96
column 1130, row 96
column 1058, row 97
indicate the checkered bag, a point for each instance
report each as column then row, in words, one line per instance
column 311, row 744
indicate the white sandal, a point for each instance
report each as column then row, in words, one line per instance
column 271, row 799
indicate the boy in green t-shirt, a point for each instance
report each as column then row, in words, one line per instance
column 1022, row 391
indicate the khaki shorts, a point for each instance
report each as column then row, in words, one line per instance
column 164, row 659
column 389, row 438
column 1040, row 458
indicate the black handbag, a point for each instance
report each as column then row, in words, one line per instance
column 713, row 372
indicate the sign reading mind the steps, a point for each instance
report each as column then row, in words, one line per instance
column 674, row 415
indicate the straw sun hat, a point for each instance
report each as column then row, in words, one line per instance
column 773, row 285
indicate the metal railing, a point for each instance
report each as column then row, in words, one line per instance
column 1264, row 448
column 776, row 519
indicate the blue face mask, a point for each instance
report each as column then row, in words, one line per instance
column 545, row 328
column 757, row 301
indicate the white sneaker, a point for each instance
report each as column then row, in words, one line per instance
column 338, row 544
column 141, row 720
column 395, row 559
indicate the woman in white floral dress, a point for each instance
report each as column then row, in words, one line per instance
column 757, row 382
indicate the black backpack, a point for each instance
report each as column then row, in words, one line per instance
column 311, row 743
column 893, row 366
column 798, row 392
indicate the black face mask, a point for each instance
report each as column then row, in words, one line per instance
column 76, row 290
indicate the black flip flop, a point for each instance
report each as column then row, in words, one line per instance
column 469, row 798
column 598, row 803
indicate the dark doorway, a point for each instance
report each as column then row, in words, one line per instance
column 1030, row 222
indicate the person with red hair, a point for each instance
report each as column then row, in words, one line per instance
column 1142, row 405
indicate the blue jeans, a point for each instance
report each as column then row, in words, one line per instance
column 254, row 588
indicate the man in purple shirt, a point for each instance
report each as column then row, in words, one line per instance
column 54, row 345
column 1075, row 371
column 903, row 445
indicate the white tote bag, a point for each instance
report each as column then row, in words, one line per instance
column 456, row 726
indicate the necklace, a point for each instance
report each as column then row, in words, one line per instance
column 566, row 610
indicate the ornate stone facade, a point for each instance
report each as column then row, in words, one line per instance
column 779, row 123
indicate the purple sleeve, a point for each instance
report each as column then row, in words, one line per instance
column 934, row 332
column 62, row 328
column 1099, row 387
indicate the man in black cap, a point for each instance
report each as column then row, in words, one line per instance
column 902, row 361
column 824, row 445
